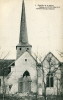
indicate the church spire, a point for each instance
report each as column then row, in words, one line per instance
column 23, row 45
column 23, row 29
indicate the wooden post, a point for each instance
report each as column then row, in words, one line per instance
column 3, row 83
column 57, row 89
column 37, row 83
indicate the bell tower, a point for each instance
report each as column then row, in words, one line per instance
column 23, row 38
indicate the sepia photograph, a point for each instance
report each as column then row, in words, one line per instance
column 31, row 50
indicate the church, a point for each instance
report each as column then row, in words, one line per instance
column 26, row 75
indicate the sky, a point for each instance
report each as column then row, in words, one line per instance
column 44, row 27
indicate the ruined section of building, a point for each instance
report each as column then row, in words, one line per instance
column 5, row 69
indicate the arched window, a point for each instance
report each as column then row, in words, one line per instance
column 50, row 80
column 26, row 73
column 25, row 83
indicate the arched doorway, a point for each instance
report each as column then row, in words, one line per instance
column 25, row 83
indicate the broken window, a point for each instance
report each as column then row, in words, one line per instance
column 50, row 80
column 10, row 86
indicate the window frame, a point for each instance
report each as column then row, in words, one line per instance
column 50, row 80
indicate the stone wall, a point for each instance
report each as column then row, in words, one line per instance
column 49, row 97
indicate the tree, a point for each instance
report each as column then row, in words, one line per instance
column 2, row 69
column 52, row 68
column 61, row 66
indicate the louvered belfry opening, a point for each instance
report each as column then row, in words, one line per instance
column 24, row 85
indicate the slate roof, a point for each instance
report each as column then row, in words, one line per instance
column 5, row 69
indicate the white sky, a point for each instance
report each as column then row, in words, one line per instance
column 45, row 27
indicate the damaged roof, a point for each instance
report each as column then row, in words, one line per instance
column 5, row 69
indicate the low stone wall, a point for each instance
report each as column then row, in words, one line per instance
column 8, row 97
column 50, row 97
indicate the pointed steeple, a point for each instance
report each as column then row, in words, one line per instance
column 23, row 45
column 23, row 28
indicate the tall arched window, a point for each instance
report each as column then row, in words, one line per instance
column 25, row 83
column 50, row 80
